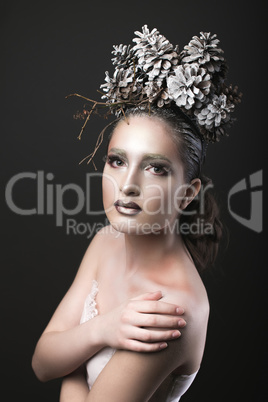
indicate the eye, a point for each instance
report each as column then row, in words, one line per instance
column 114, row 161
column 158, row 169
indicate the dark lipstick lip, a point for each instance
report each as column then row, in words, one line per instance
column 130, row 204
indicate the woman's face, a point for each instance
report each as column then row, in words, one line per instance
column 143, row 180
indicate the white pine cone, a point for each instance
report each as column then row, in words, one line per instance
column 205, row 51
column 154, row 53
column 123, row 55
column 121, row 86
column 163, row 99
column 108, row 86
column 189, row 85
column 215, row 113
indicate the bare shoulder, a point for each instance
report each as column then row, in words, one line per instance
column 105, row 243
column 103, row 240
column 68, row 312
column 193, row 298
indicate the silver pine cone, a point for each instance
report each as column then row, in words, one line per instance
column 189, row 86
column 123, row 55
column 121, row 86
column 156, row 94
column 205, row 51
column 215, row 115
column 155, row 54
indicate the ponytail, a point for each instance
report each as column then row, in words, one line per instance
column 204, row 228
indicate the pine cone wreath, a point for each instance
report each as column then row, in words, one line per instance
column 153, row 71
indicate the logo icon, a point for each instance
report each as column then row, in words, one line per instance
column 256, row 200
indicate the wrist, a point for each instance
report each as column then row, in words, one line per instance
column 98, row 338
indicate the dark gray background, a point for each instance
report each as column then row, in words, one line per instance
column 50, row 49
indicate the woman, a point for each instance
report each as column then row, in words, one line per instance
column 138, row 271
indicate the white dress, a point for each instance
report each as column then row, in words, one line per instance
column 96, row 363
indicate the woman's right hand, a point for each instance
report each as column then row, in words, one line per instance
column 142, row 324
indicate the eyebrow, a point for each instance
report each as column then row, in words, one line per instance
column 119, row 152
column 145, row 157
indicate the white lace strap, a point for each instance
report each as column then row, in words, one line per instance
column 90, row 311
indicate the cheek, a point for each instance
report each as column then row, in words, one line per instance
column 164, row 198
column 155, row 199
column 109, row 190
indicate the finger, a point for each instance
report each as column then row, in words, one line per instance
column 137, row 346
column 156, row 307
column 158, row 321
column 150, row 296
column 153, row 336
column 182, row 323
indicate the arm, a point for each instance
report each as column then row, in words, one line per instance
column 74, row 387
column 135, row 377
column 53, row 357
column 65, row 344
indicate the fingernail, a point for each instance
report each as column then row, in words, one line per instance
column 179, row 310
column 163, row 345
column 158, row 291
column 176, row 334
column 182, row 323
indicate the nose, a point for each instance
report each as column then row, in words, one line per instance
column 130, row 183
column 131, row 190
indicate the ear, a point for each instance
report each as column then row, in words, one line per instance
column 191, row 192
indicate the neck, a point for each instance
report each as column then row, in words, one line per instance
column 149, row 251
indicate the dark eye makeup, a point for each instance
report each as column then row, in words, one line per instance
column 114, row 160
column 153, row 166
column 159, row 169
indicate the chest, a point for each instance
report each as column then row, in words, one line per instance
column 117, row 284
